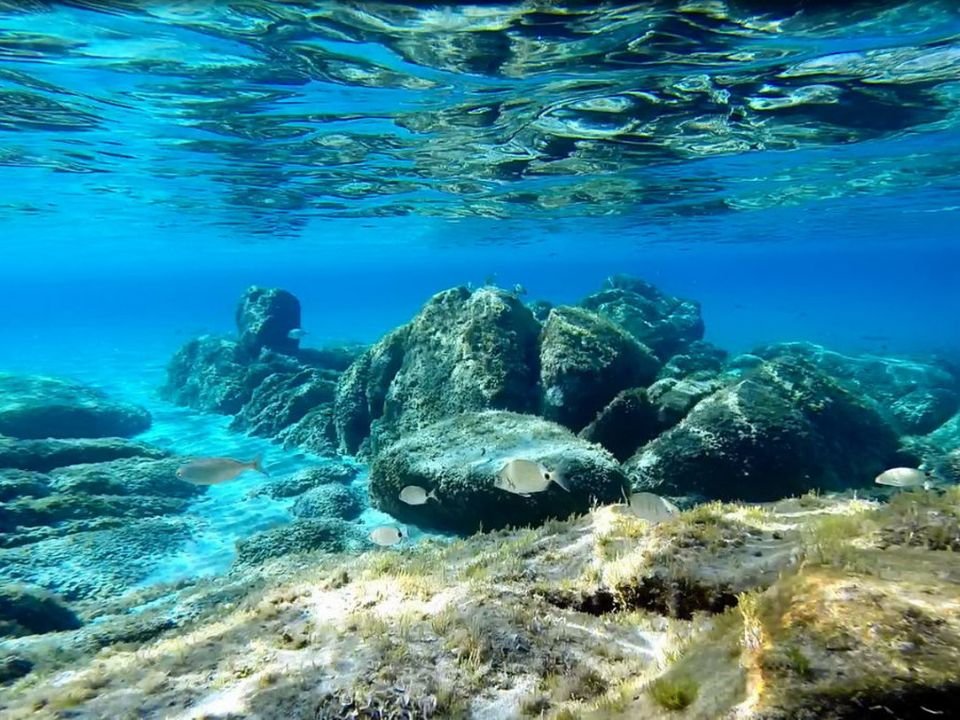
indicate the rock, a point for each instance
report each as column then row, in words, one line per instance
column 22, row 483
column 915, row 397
column 627, row 422
column 314, row 433
column 13, row 667
column 783, row 430
column 329, row 501
column 460, row 456
column 585, row 361
column 541, row 309
column 698, row 357
column 131, row 476
column 337, row 358
column 463, row 351
column 663, row 323
column 308, row 479
column 675, row 398
column 45, row 455
column 265, row 317
column 56, row 509
column 328, row 535
column 26, row 610
column 34, row 407
column 208, row 374
column 283, row 399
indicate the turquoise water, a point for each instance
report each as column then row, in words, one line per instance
column 795, row 171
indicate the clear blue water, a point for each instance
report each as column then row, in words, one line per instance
column 795, row 171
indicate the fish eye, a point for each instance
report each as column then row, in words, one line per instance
column 546, row 476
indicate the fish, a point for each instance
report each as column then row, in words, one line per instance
column 416, row 495
column 519, row 290
column 297, row 334
column 213, row 471
column 650, row 507
column 903, row 477
column 386, row 535
column 524, row 477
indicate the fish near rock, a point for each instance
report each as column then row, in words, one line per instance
column 651, row 507
column 416, row 495
column 525, row 477
column 214, row 471
column 903, row 477
column 387, row 535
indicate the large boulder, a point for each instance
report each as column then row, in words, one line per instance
column 33, row 407
column 697, row 358
column 283, row 399
column 916, row 397
column 329, row 501
column 784, row 429
column 585, row 360
column 315, row 432
column 45, row 455
column 663, row 323
column 328, row 535
column 307, row 479
column 464, row 351
column 265, row 317
column 26, row 610
column 628, row 421
column 459, row 459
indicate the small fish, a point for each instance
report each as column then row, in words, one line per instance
column 416, row 495
column 386, row 535
column 297, row 334
column 519, row 290
column 650, row 507
column 213, row 471
column 903, row 477
column 524, row 477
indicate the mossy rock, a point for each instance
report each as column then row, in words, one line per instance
column 585, row 360
column 329, row 535
column 628, row 421
column 329, row 501
column 309, row 478
column 265, row 317
column 459, row 458
column 26, row 610
column 45, row 455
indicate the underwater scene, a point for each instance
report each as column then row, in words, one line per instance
column 559, row 360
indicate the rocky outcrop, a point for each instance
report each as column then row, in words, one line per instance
column 26, row 610
column 629, row 421
column 585, row 360
column 265, row 317
column 45, row 455
column 784, row 429
column 304, row 480
column 665, row 324
column 329, row 535
column 284, row 399
column 458, row 458
column 36, row 407
column 464, row 351
column 329, row 501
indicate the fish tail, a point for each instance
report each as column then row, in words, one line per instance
column 257, row 464
column 433, row 494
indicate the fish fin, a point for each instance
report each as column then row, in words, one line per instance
column 257, row 464
column 559, row 480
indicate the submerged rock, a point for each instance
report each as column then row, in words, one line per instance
column 22, row 483
column 26, row 610
column 46, row 455
column 315, row 432
column 13, row 667
column 782, row 430
column 283, row 399
column 265, row 317
column 699, row 357
column 329, row 535
column 663, row 323
column 329, row 501
column 35, row 407
column 459, row 458
column 129, row 476
column 585, row 360
column 630, row 420
column 463, row 351
column 309, row 478
column 208, row 374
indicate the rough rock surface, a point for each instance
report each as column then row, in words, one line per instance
column 329, row 501
column 784, row 429
column 330, row 535
column 459, row 457
column 283, row 399
column 265, row 317
column 35, row 407
column 585, row 360
column 309, row 478
column 663, row 323
column 627, row 422
column 315, row 432
column 26, row 610
column 45, row 455
column 698, row 357
column 464, row 351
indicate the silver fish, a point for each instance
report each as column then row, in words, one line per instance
column 524, row 477
column 213, row 471
column 416, row 495
column 296, row 334
column 386, row 535
column 650, row 507
column 903, row 477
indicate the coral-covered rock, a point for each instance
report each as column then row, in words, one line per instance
column 265, row 317
column 458, row 458
column 28, row 610
column 34, row 407
column 463, row 351
column 45, row 455
column 329, row 501
column 283, row 399
column 663, row 323
column 330, row 535
column 585, row 360
column 784, row 429
column 675, row 398
column 627, row 422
